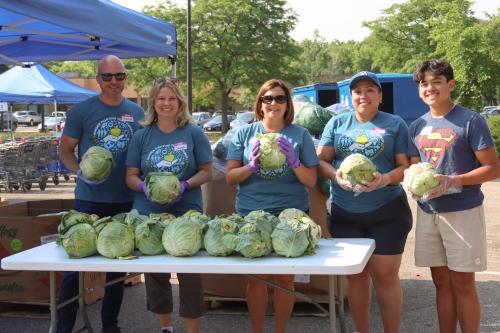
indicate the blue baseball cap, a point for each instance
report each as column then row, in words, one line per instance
column 364, row 76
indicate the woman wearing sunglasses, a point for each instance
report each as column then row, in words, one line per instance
column 271, row 190
column 169, row 142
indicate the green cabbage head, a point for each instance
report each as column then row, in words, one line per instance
column 163, row 187
column 132, row 218
column 291, row 213
column 182, row 237
column 313, row 117
column 290, row 238
column 253, row 240
column 217, row 228
column 116, row 240
column 148, row 237
column 80, row 240
column 271, row 156
column 97, row 163
column 72, row 218
column 419, row 178
column 357, row 169
column 265, row 217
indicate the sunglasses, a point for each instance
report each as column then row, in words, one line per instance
column 268, row 99
column 109, row 76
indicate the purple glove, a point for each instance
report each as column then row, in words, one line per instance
column 88, row 181
column 183, row 186
column 254, row 158
column 287, row 149
column 144, row 189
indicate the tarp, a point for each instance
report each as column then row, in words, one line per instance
column 46, row 30
column 38, row 85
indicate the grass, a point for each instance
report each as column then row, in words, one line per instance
column 6, row 136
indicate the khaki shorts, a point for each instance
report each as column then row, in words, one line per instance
column 455, row 239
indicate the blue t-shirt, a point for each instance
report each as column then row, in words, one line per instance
column 449, row 143
column 273, row 190
column 180, row 152
column 380, row 140
column 94, row 123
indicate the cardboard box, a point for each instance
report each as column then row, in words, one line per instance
column 218, row 197
column 20, row 229
column 317, row 210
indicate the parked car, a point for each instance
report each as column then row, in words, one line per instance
column 200, row 118
column 61, row 114
column 242, row 118
column 215, row 124
column 28, row 117
column 52, row 124
column 7, row 120
column 489, row 111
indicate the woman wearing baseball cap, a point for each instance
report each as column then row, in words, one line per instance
column 377, row 209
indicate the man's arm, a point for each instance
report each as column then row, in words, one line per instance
column 489, row 169
column 67, row 153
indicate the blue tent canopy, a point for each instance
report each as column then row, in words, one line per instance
column 37, row 85
column 46, row 30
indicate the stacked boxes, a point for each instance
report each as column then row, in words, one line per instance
column 22, row 228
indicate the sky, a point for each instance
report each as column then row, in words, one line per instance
column 334, row 19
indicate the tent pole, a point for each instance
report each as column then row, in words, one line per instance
column 55, row 113
column 189, row 69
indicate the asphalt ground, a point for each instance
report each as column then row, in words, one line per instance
column 419, row 314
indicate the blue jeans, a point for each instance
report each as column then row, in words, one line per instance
column 69, row 286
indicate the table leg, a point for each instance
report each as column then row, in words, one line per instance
column 81, row 302
column 331, row 296
column 53, row 303
column 340, row 292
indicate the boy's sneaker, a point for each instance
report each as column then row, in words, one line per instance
column 166, row 330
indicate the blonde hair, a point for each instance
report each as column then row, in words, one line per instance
column 268, row 85
column 183, row 116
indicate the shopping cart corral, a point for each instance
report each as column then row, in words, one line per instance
column 26, row 163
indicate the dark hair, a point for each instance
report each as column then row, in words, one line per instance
column 268, row 85
column 435, row 67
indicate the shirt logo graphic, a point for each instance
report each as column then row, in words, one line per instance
column 366, row 142
column 113, row 134
column 169, row 158
column 435, row 142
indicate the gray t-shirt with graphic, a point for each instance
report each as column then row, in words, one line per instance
column 277, row 189
column 94, row 123
column 180, row 152
column 449, row 143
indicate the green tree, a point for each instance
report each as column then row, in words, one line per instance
column 315, row 61
column 235, row 44
column 86, row 68
column 400, row 38
column 474, row 53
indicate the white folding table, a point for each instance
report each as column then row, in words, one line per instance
column 342, row 256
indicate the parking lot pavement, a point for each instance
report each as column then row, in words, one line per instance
column 419, row 314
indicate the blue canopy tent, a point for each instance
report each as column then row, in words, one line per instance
column 37, row 85
column 47, row 30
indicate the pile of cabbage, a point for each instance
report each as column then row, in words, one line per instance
column 419, row 178
column 97, row 163
column 125, row 236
